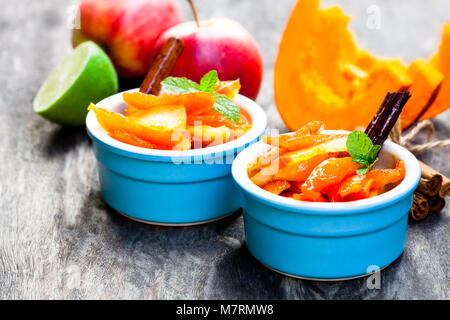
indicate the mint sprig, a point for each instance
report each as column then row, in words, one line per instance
column 209, row 81
column 362, row 151
column 207, row 84
column 180, row 85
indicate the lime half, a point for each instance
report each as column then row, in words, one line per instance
column 86, row 75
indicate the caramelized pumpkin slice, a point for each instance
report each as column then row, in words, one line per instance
column 327, row 174
column 263, row 160
column 302, row 197
column 425, row 84
column 157, row 135
column 300, row 170
column 442, row 62
column 228, row 88
column 277, row 186
column 193, row 102
column 382, row 177
column 166, row 116
column 303, row 142
column 356, row 187
column 206, row 136
column 214, row 119
column 132, row 139
column 292, row 166
column 311, row 128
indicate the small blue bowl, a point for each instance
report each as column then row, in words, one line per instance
column 168, row 187
column 326, row 241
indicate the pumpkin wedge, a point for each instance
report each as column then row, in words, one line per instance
column 320, row 73
column 442, row 62
column 426, row 80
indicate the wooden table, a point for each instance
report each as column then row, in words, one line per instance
column 58, row 239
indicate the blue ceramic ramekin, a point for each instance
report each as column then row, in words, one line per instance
column 170, row 187
column 326, row 241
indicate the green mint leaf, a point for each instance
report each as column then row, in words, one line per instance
column 362, row 151
column 358, row 146
column 209, row 81
column 372, row 156
column 362, row 170
column 207, row 84
column 226, row 107
column 179, row 85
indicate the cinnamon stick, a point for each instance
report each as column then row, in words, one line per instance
column 436, row 204
column 430, row 174
column 430, row 187
column 378, row 118
column 386, row 117
column 162, row 66
column 420, row 207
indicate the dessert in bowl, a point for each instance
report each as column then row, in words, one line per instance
column 180, row 182
column 308, row 229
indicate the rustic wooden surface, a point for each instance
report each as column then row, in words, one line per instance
column 58, row 239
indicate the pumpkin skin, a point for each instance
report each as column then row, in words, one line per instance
column 320, row 73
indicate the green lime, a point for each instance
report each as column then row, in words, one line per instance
column 86, row 75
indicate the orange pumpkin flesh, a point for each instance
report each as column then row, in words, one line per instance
column 193, row 102
column 174, row 121
column 228, row 88
column 277, row 186
column 320, row 74
column 442, row 62
column 321, row 172
column 425, row 82
column 157, row 135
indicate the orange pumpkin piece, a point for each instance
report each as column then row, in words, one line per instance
column 296, row 186
column 299, row 143
column 311, row 128
column 300, row 170
column 382, row 177
column 228, row 88
column 131, row 139
column 425, row 84
column 214, row 119
column 321, row 74
column 263, row 160
column 355, row 187
column 166, row 116
column 303, row 197
column 277, row 186
column 204, row 136
column 385, row 76
column 158, row 135
column 442, row 62
column 328, row 173
column 193, row 102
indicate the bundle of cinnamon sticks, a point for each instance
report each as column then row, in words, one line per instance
column 430, row 194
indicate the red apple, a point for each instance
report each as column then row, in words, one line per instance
column 218, row 44
column 127, row 29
